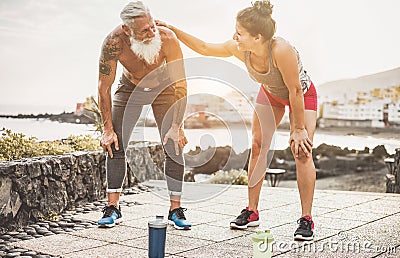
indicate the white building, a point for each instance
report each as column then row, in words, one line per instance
column 366, row 114
column 394, row 113
column 238, row 107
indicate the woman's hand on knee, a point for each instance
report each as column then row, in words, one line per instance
column 299, row 141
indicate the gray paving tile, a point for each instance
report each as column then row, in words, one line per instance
column 346, row 197
column 338, row 223
column 349, row 214
column 295, row 249
column 271, row 203
column 279, row 216
column 174, row 244
column 247, row 243
column 194, row 192
column 281, row 198
column 146, row 210
column 236, row 201
column 212, row 233
column 198, row 217
column 367, row 216
column 317, row 211
column 231, row 196
column 365, row 241
column 382, row 233
column 198, row 204
column 110, row 251
column 285, row 232
column 139, row 223
column 385, row 206
column 225, row 221
column 111, row 235
column 287, row 208
column 147, row 197
column 219, row 250
column 59, row 245
column 332, row 248
column 391, row 254
column 90, row 216
column 225, row 209
column 333, row 204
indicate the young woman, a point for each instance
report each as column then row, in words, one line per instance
column 276, row 65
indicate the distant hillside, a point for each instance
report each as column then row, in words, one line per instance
column 337, row 90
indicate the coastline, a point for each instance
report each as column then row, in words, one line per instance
column 385, row 132
column 70, row 117
column 366, row 181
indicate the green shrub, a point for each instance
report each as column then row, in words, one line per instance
column 233, row 176
column 84, row 142
column 15, row 146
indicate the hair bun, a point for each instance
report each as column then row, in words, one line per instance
column 264, row 7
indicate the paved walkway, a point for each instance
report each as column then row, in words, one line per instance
column 347, row 224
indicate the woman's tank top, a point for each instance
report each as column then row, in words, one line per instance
column 272, row 80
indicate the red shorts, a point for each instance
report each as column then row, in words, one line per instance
column 266, row 98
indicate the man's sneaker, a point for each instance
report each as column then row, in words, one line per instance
column 305, row 231
column 111, row 216
column 246, row 219
column 177, row 218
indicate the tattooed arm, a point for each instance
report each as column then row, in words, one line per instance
column 110, row 52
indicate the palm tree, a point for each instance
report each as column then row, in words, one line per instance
column 92, row 106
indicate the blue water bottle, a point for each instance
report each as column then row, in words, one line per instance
column 157, row 236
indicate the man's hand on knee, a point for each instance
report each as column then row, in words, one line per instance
column 108, row 138
column 177, row 135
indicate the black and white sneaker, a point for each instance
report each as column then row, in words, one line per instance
column 247, row 218
column 305, row 231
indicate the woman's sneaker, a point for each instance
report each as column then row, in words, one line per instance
column 111, row 217
column 246, row 219
column 177, row 218
column 305, row 231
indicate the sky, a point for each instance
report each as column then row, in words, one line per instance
column 50, row 48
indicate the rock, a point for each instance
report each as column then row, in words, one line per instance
column 188, row 176
column 10, row 201
column 30, row 253
column 380, row 152
column 33, row 169
column 208, row 161
column 330, row 151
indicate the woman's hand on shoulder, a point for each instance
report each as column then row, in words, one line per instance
column 162, row 23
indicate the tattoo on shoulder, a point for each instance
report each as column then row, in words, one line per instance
column 111, row 47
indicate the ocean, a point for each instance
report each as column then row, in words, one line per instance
column 239, row 139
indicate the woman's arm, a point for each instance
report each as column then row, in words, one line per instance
column 225, row 49
column 286, row 61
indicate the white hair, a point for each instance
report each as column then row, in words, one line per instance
column 133, row 10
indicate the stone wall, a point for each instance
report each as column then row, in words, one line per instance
column 31, row 189
column 393, row 178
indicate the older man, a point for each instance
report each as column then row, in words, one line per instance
column 153, row 74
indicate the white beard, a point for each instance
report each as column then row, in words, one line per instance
column 147, row 51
